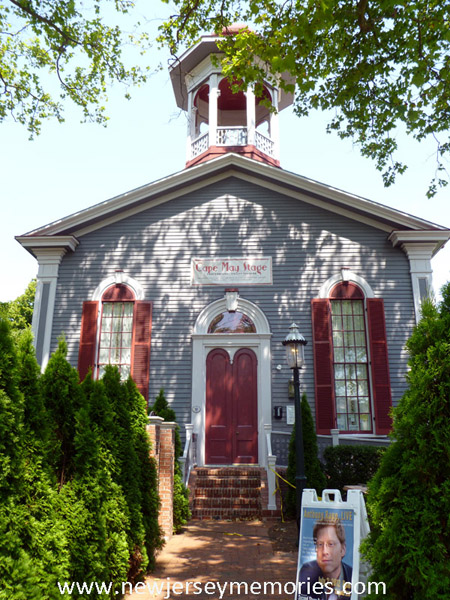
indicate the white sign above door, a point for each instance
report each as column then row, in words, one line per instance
column 231, row 271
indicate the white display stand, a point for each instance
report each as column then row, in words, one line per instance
column 353, row 516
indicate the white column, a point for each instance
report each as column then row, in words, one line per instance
column 190, row 127
column 251, row 116
column 49, row 260
column 419, row 255
column 213, row 108
column 274, row 126
column 198, row 406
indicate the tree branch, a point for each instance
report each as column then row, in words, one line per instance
column 30, row 11
column 362, row 21
column 192, row 8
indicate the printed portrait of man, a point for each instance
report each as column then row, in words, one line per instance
column 325, row 577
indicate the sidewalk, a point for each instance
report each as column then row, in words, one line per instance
column 220, row 552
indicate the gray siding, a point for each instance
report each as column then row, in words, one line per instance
column 234, row 218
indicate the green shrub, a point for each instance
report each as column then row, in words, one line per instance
column 181, row 512
column 148, row 483
column 315, row 478
column 134, row 471
column 78, row 497
column 33, row 554
column 409, row 497
column 350, row 465
column 63, row 397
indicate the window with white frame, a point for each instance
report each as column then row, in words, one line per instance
column 350, row 363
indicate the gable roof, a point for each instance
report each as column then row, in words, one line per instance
column 399, row 225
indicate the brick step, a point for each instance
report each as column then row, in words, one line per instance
column 241, row 514
column 227, row 503
column 227, row 492
column 228, row 472
column 233, row 482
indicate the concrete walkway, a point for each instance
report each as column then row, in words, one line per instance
column 213, row 554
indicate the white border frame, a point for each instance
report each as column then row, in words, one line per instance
column 118, row 277
column 345, row 275
column 203, row 343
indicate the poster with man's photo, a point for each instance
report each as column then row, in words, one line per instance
column 326, row 554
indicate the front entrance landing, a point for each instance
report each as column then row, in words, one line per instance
column 210, row 552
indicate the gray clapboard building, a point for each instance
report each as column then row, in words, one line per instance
column 190, row 283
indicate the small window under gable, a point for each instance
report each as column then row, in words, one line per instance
column 232, row 322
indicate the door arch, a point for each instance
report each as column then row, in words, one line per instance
column 231, row 343
column 231, row 411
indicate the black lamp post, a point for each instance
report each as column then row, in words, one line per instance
column 295, row 354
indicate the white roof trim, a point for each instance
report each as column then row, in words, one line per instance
column 254, row 169
column 68, row 242
column 436, row 237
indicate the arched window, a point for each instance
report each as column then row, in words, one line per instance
column 350, row 359
column 351, row 367
column 117, row 330
column 232, row 322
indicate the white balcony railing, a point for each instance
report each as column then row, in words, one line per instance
column 231, row 136
column 264, row 143
column 200, row 145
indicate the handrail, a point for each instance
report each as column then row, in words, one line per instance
column 188, row 459
column 270, row 468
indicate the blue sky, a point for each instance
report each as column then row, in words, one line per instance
column 72, row 166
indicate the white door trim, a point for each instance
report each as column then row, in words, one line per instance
column 203, row 343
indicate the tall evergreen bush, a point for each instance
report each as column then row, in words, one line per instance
column 409, row 497
column 181, row 512
column 315, row 478
column 90, row 504
column 62, row 397
column 66, row 463
column 135, row 471
column 33, row 554
column 148, row 483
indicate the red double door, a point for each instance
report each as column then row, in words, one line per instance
column 231, row 407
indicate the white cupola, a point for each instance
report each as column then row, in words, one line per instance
column 219, row 120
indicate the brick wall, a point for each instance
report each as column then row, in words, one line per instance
column 162, row 436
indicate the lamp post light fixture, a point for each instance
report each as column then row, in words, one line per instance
column 295, row 355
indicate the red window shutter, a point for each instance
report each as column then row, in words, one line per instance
column 140, row 367
column 381, row 384
column 88, row 338
column 323, row 366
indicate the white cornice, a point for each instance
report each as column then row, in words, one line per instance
column 420, row 241
column 273, row 178
column 35, row 244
